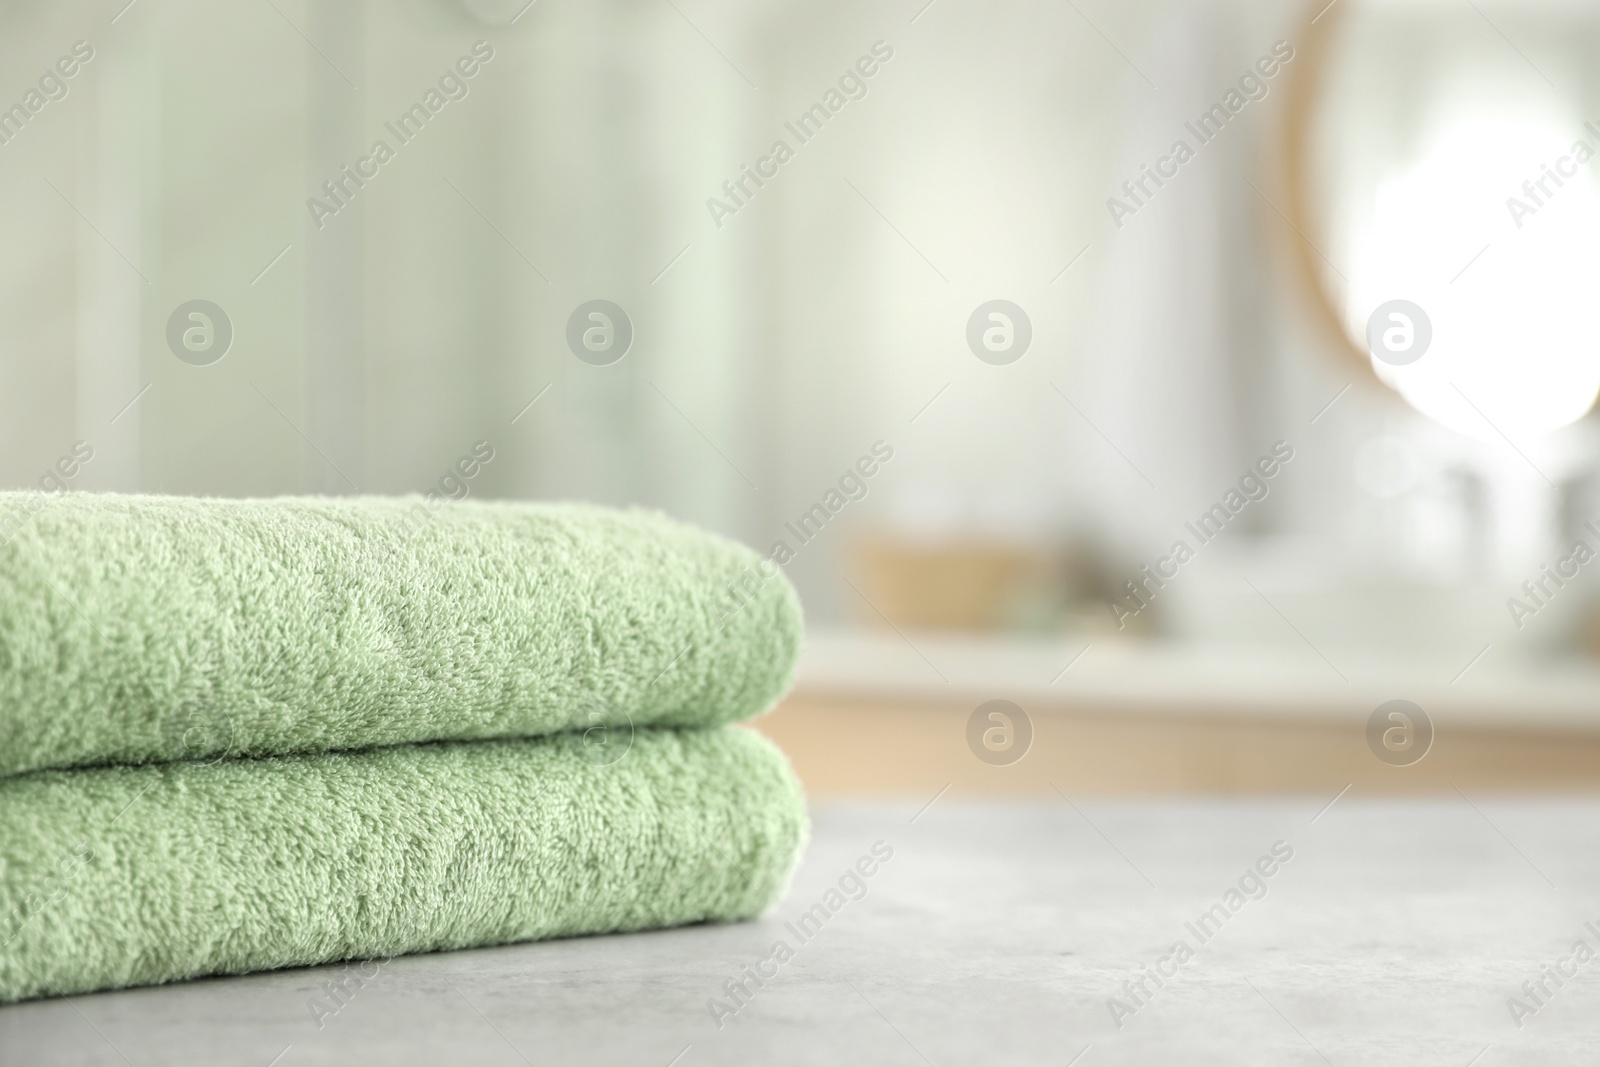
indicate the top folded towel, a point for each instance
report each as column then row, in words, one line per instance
column 145, row 628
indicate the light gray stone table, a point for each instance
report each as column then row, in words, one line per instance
column 997, row 934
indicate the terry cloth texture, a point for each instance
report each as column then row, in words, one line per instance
column 145, row 628
column 122, row 876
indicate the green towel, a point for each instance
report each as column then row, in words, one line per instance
column 140, row 628
column 123, row 876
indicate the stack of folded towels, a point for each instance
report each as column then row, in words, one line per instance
column 240, row 735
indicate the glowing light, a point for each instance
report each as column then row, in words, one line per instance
column 1514, row 347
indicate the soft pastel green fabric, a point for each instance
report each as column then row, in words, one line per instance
column 138, row 628
column 123, row 876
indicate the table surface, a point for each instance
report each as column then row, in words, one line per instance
column 997, row 933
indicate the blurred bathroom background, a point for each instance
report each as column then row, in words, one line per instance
column 1178, row 331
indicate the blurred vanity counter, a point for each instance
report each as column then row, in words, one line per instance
column 876, row 711
column 1483, row 687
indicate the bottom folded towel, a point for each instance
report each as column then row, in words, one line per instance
column 123, row 876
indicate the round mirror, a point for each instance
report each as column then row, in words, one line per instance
column 1441, row 163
